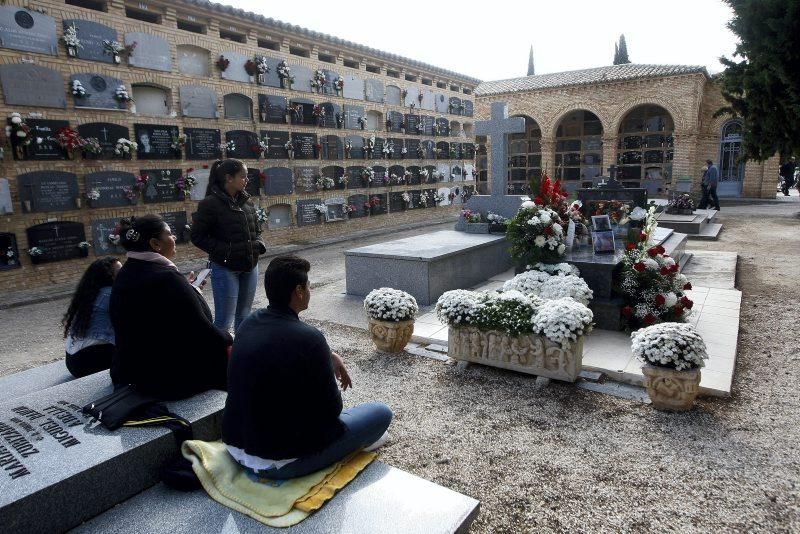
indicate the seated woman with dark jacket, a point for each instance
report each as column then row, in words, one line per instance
column 166, row 342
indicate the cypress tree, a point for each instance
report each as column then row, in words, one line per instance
column 623, row 51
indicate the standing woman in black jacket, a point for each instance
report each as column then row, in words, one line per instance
column 225, row 226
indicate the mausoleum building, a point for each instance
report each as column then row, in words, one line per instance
column 656, row 123
column 348, row 138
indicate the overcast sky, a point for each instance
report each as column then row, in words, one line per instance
column 491, row 42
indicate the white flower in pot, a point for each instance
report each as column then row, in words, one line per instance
column 391, row 315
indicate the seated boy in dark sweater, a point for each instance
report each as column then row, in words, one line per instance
column 283, row 416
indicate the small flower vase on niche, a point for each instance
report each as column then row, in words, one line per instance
column 263, row 114
column 284, row 83
column 402, row 130
column 262, row 79
column 338, row 92
column 117, row 59
column 252, row 79
column 78, row 203
column 72, row 51
column 288, row 117
column 291, row 154
column 27, row 204
column 84, row 252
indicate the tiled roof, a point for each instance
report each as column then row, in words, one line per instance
column 297, row 30
column 613, row 73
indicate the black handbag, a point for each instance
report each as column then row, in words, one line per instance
column 115, row 409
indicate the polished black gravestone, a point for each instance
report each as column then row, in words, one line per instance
column 114, row 188
column 305, row 179
column 277, row 144
column 305, row 145
column 396, row 202
column 303, row 111
column 57, row 241
column 152, row 52
column 442, row 150
column 272, row 109
column 412, row 120
column 332, row 147
column 330, row 80
column 356, row 146
column 331, row 112
column 101, row 229
column 155, row 141
column 279, row 181
column 355, row 177
column 32, row 85
column 198, row 101
column 253, row 187
column 28, row 31
column 430, row 193
column 161, row 185
column 306, row 212
column 442, row 127
column 48, row 191
column 454, row 105
column 469, row 108
column 379, row 180
column 49, row 148
column 9, row 253
column 100, row 90
column 611, row 190
column 427, row 125
column 351, row 116
column 359, row 202
column 396, row 120
column 246, row 144
column 60, row 469
column 106, row 134
column 177, row 221
column 378, row 204
column 92, row 35
column 202, row 143
column 335, row 173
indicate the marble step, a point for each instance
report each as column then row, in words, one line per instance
column 35, row 379
column 379, row 499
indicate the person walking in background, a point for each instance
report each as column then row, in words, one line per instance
column 709, row 185
column 787, row 175
column 87, row 325
column 225, row 226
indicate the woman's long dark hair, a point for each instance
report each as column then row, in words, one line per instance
column 220, row 169
column 79, row 314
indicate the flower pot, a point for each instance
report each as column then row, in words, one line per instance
column 284, row 83
column 263, row 116
column 78, row 203
column 117, row 59
column 72, row 51
column 84, row 252
column 262, row 79
column 36, row 260
column 671, row 390
column 252, row 79
column 391, row 336
column 27, row 205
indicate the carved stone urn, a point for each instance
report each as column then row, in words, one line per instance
column 391, row 336
column 671, row 390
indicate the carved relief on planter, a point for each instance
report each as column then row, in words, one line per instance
column 530, row 354
column 671, row 390
column 391, row 336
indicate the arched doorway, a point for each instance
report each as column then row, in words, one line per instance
column 579, row 149
column 645, row 148
column 524, row 157
column 731, row 169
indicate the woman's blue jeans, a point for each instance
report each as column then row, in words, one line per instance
column 363, row 425
column 233, row 295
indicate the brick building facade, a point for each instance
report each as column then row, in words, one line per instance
column 176, row 62
column 654, row 122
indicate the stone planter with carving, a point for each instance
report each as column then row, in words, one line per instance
column 391, row 336
column 671, row 390
column 530, row 354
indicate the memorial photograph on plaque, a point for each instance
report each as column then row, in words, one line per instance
column 202, row 144
column 56, row 241
column 9, row 253
column 110, row 189
column 160, row 185
column 335, row 210
column 245, row 144
column 106, row 134
column 41, row 191
column 155, row 141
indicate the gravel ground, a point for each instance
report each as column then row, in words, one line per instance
column 557, row 458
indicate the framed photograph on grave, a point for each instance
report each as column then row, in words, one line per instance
column 603, row 242
column 601, row 223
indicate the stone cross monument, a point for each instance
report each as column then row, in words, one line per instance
column 496, row 129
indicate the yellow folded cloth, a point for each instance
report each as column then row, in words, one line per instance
column 277, row 503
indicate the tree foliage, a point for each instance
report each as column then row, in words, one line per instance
column 762, row 87
column 621, row 51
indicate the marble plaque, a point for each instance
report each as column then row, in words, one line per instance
column 428, row 146
column 279, row 181
column 106, row 134
column 359, row 202
column 469, row 109
column 57, row 240
column 161, row 185
column 101, row 229
column 198, row 192
column 443, row 149
column 428, row 100
column 100, row 91
column 351, row 116
column 443, row 172
column 373, row 90
column 246, row 144
column 277, row 142
column 335, row 173
column 253, row 187
column 414, row 178
column 332, row 147
column 443, row 127
column 271, row 78
column 305, row 145
column 202, row 143
column 155, row 141
column 335, row 209
column 198, row 101
column 48, row 149
column 177, row 222
column 455, row 105
column 427, row 125
column 47, row 191
column 6, row 206
column 305, row 113
column 331, row 110
column 441, row 103
column 302, row 78
column 356, row 146
column 304, row 179
column 380, row 205
column 396, row 201
column 92, row 35
column 235, row 71
column 353, row 87
column 29, row 31
column 393, row 96
column 432, row 177
column 355, row 177
column 113, row 187
column 330, row 78
column 397, row 120
column 280, row 216
column 32, row 85
column 412, row 97
column 272, row 109
column 9, row 252
column 194, row 61
column 411, row 121
column 306, row 212
column 380, row 176
column 152, row 52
